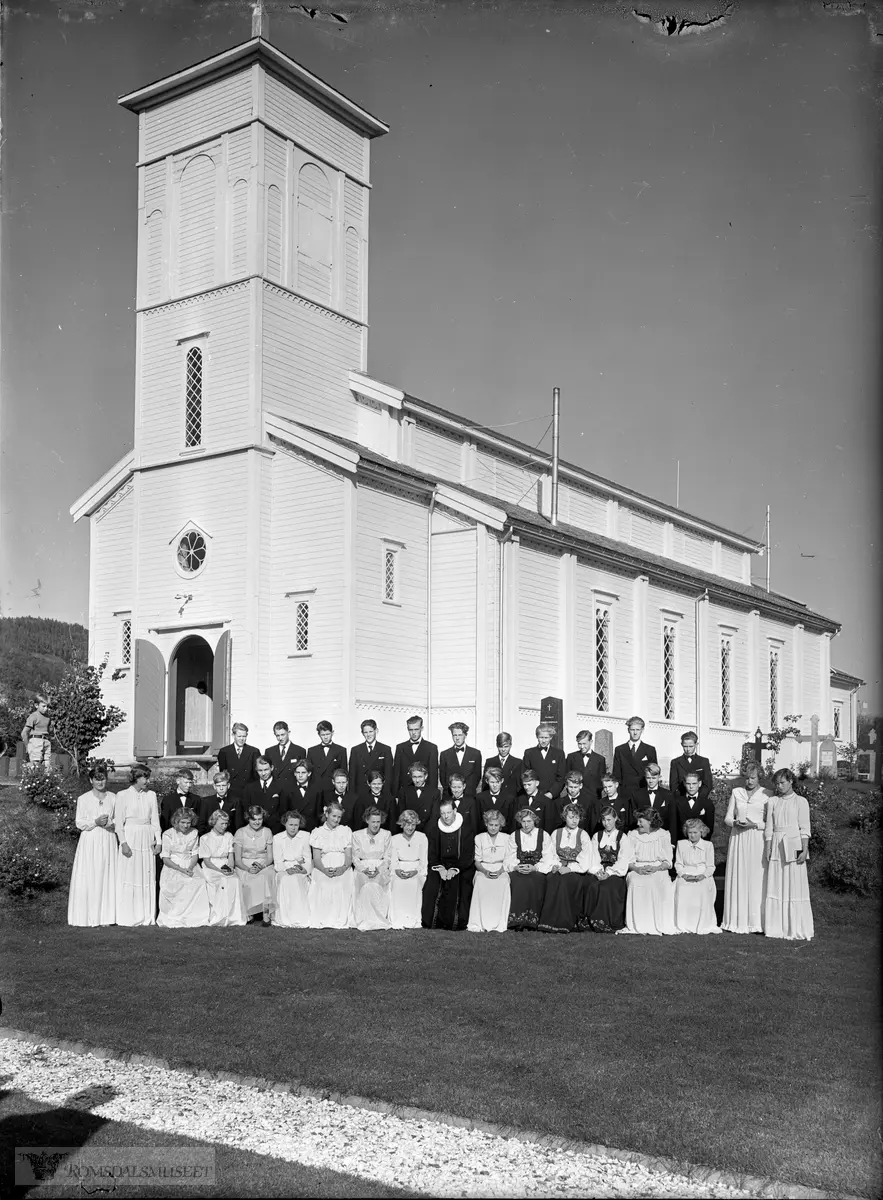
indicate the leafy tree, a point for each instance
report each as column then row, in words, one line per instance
column 790, row 727
column 82, row 719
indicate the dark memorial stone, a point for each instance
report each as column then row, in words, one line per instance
column 552, row 713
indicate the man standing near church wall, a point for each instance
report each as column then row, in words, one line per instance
column 414, row 750
column 547, row 762
column 369, row 756
column 460, row 759
column 238, row 760
column 631, row 760
column 326, row 758
column 690, row 761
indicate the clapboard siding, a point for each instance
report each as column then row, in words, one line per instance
column 151, row 288
column 112, row 550
column 307, row 357
column 812, row 696
column 274, row 233
column 454, row 610
column 504, row 477
column 197, row 224
column 539, row 626
column 314, row 236
column 353, row 279
column 697, row 551
column 591, row 581
column 275, row 153
column 489, row 611
column 200, row 114
column 646, row 533
column 624, row 524
column 353, row 202
column 239, row 228
column 781, row 633
column 436, row 453
column 665, row 605
column 731, row 563
column 210, row 493
column 225, row 373
column 586, row 510
column 390, row 638
column 239, row 153
column 314, row 128
column 307, row 553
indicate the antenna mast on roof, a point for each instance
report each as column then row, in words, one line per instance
column 260, row 21
column 767, row 547
column 556, row 407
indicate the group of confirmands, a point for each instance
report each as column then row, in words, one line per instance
column 415, row 838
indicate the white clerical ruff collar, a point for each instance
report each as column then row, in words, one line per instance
column 454, row 825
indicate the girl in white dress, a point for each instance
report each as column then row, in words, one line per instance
column 92, row 897
column 253, row 857
column 489, row 910
column 293, row 863
column 183, row 898
column 743, row 883
column 695, row 889
column 371, row 872
column 787, row 912
column 649, row 905
column 222, row 883
column 136, row 821
column 408, row 868
column 331, row 892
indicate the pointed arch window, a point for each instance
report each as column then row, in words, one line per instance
column 193, row 398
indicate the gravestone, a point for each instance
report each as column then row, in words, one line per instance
column 603, row 744
column 827, row 755
column 552, row 713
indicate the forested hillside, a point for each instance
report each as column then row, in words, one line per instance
column 34, row 651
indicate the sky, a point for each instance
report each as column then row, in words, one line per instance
column 681, row 232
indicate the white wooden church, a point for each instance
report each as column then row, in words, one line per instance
column 311, row 542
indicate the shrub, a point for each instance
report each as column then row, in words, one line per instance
column 852, row 864
column 25, row 870
column 43, row 785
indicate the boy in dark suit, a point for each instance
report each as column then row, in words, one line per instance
column 692, row 805
column 238, row 761
column 379, row 796
column 464, row 804
column 418, row 796
column 631, row 760
column 547, row 763
column 460, row 759
column 222, row 801
column 414, row 750
column 510, row 766
column 268, row 793
column 613, row 798
column 341, row 794
column 326, row 758
column 536, row 801
column 654, row 795
column 575, row 793
column 591, row 765
column 494, row 797
column 283, row 756
column 370, row 756
column 690, row 761
column 180, row 798
column 307, row 797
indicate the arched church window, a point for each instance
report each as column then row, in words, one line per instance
column 193, row 398
column 191, row 552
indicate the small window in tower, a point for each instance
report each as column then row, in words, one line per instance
column 602, row 658
column 669, row 645
column 389, row 574
column 726, row 692
column 774, row 687
column 191, row 552
column 126, row 642
column 302, row 626
column 193, row 398
column 838, row 709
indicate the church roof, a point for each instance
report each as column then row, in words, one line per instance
column 277, row 63
column 845, row 680
column 603, row 549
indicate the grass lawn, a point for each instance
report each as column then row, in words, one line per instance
column 26, row 1123
column 737, row 1052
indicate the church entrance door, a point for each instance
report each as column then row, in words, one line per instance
column 191, row 679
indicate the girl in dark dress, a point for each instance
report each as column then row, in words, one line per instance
column 571, row 890
column 611, row 863
column 528, row 859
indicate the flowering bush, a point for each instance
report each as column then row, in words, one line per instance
column 47, row 787
column 25, row 870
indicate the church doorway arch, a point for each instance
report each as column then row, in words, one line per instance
column 191, row 696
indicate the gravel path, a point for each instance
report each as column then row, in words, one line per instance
column 422, row 1155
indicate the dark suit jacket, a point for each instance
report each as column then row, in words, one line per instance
column 172, row 803
column 502, row 803
column 468, row 810
column 362, row 763
column 679, row 770
column 427, row 754
column 663, row 803
column 623, row 811
column 309, row 803
column 275, row 801
column 511, row 774
column 549, row 770
column 323, row 766
column 545, row 810
column 424, row 806
column 283, row 773
column 703, row 809
column 352, row 810
column 209, row 804
column 592, row 772
column 590, row 803
column 629, row 767
column 241, row 767
column 466, row 860
column 385, row 802
column 470, row 770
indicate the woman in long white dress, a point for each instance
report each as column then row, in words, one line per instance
column 92, row 897
column 408, row 868
column 223, row 886
column 489, row 910
column 743, row 883
column 253, row 856
column 136, row 821
column 331, row 892
column 183, row 897
column 371, row 872
column 293, row 863
column 695, row 889
column 649, row 905
column 787, row 912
